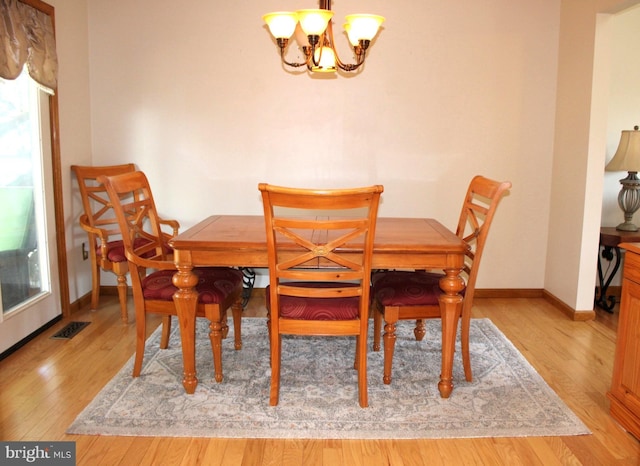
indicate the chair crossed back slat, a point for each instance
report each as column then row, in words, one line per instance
column 98, row 212
column 478, row 210
column 335, row 249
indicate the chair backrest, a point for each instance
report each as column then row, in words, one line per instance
column 320, row 236
column 95, row 201
column 145, row 244
column 480, row 204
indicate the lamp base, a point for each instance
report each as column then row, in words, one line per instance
column 627, row 226
column 629, row 200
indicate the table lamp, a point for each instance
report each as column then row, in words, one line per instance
column 627, row 158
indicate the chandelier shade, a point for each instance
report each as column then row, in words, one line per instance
column 326, row 60
column 282, row 24
column 314, row 22
column 364, row 27
column 319, row 48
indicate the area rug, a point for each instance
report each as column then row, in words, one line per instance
column 318, row 394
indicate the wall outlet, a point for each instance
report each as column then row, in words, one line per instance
column 85, row 253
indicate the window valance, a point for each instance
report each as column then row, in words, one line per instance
column 27, row 36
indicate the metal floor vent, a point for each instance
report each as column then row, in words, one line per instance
column 69, row 331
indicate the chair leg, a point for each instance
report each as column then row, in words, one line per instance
column 391, row 315
column 466, row 357
column 166, row 332
column 377, row 325
column 361, row 351
column 236, row 310
column 420, row 330
column 215, row 335
column 269, row 330
column 225, row 327
column 276, row 343
column 122, row 296
column 141, row 338
column 95, row 287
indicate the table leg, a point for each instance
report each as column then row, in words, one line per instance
column 450, row 309
column 602, row 300
column 186, row 300
column 391, row 316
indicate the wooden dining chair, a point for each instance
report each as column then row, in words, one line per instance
column 106, row 249
column 319, row 244
column 152, row 270
column 105, row 246
column 414, row 295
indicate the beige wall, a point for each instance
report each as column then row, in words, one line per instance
column 75, row 126
column 194, row 94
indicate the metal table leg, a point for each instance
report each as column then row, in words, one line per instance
column 603, row 301
column 248, row 281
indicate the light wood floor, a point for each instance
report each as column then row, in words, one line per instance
column 45, row 384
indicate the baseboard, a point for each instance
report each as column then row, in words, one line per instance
column 84, row 301
column 80, row 303
column 573, row 314
column 509, row 293
column 513, row 293
column 615, row 291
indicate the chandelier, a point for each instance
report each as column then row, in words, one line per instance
column 319, row 51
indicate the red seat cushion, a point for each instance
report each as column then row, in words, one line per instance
column 401, row 288
column 214, row 284
column 293, row 307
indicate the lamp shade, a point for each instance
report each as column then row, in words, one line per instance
column 353, row 40
column 314, row 22
column 281, row 24
column 363, row 27
column 627, row 157
column 326, row 59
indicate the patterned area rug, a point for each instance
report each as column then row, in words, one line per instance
column 318, row 395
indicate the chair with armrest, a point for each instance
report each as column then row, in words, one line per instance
column 319, row 244
column 152, row 270
column 105, row 244
column 409, row 295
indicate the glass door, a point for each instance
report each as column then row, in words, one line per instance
column 28, row 269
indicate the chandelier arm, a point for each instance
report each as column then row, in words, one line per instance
column 282, row 43
column 315, row 42
column 360, row 55
column 308, row 53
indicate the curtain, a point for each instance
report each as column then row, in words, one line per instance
column 27, row 37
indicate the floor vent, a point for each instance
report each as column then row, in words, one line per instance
column 69, row 331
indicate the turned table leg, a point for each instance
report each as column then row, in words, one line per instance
column 450, row 308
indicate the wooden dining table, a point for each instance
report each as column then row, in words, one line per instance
column 240, row 241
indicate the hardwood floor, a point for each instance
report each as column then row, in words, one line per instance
column 44, row 385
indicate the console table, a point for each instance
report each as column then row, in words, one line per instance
column 610, row 238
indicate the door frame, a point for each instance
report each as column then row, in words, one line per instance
column 56, row 165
